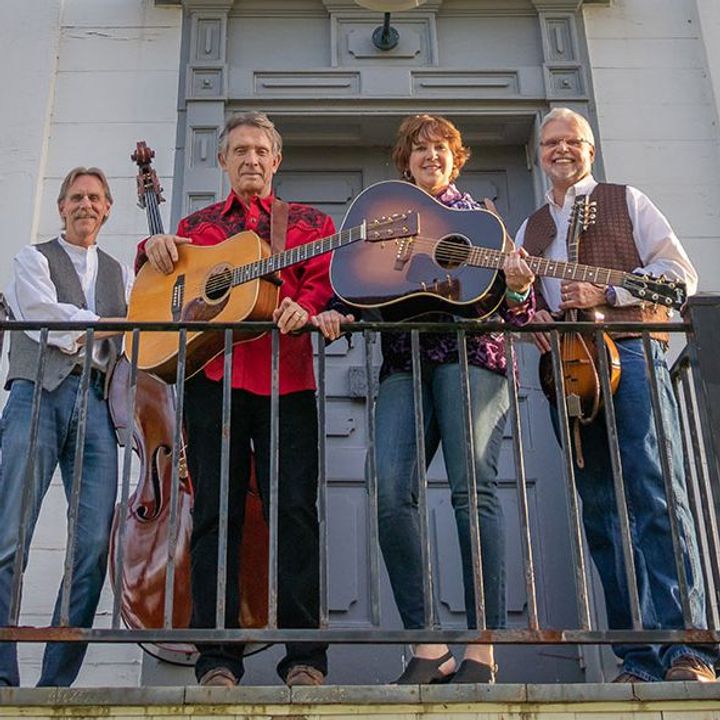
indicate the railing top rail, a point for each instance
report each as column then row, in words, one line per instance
column 380, row 326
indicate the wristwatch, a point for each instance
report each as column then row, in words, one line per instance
column 610, row 296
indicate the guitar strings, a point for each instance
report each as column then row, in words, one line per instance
column 225, row 280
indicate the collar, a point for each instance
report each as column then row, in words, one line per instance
column 582, row 187
column 232, row 199
column 77, row 249
column 449, row 194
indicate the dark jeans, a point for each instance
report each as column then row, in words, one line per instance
column 656, row 576
column 398, row 510
column 56, row 439
column 298, row 546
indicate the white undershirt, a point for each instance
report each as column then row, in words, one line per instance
column 32, row 295
column 659, row 249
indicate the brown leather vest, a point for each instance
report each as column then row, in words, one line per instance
column 608, row 243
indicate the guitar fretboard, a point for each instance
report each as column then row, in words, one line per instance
column 273, row 263
column 488, row 258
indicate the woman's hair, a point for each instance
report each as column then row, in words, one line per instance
column 428, row 127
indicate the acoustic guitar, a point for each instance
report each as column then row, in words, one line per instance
column 452, row 265
column 232, row 281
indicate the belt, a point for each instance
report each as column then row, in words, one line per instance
column 95, row 374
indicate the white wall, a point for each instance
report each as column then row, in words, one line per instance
column 27, row 77
column 658, row 114
column 84, row 81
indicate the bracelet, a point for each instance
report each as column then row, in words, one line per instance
column 516, row 296
column 610, row 296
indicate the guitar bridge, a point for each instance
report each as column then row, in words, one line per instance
column 403, row 253
column 178, row 298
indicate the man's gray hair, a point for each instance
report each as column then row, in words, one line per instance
column 564, row 113
column 252, row 119
column 77, row 172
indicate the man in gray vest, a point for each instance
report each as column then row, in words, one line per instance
column 629, row 234
column 65, row 279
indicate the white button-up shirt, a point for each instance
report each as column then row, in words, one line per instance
column 31, row 295
column 659, row 249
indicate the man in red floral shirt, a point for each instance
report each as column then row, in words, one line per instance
column 250, row 153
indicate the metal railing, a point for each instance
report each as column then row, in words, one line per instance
column 695, row 386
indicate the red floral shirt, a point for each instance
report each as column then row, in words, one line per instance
column 306, row 283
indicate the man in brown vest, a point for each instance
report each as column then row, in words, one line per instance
column 629, row 234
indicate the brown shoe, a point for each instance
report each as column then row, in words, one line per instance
column 304, row 675
column 628, row 677
column 690, row 669
column 218, row 677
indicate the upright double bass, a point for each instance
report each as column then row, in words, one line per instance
column 147, row 515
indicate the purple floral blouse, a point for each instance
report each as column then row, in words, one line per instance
column 484, row 349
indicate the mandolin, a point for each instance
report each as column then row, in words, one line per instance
column 232, row 281
column 579, row 351
column 453, row 263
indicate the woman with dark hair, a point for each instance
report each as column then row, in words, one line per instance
column 429, row 153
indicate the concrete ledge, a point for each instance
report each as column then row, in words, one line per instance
column 360, row 695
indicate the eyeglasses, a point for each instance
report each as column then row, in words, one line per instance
column 570, row 142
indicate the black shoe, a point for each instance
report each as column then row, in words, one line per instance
column 424, row 671
column 474, row 672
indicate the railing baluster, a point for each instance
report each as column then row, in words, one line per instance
column 576, row 536
column 29, row 485
column 705, row 520
column 468, row 424
column 175, row 481
column 372, row 481
column 221, row 585
column 521, row 484
column 618, row 482
column 666, row 463
column 322, row 483
column 274, row 478
column 81, row 404
column 420, row 462
column 125, row 482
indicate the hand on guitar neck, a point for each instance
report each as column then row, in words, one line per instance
column 161, row 251
column 581, row 295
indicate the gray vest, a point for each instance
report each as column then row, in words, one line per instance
column 109, row 300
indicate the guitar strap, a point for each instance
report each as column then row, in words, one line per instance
column 278, row 225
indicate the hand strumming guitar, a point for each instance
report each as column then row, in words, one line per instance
column 161, row 251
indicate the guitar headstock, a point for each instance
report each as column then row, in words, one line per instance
column 393, row 227
column 656, row 290
column 583, row 212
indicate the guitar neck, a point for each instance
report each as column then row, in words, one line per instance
column 485, row 257
column 301, row 253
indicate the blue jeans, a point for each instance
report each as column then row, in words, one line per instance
column 56, row 444
column 399, row 518
column 647, row 509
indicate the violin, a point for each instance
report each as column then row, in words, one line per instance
column 147, row 515
column 579, row 352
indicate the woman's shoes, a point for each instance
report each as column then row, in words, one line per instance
column 474, row 672
column 425, row 671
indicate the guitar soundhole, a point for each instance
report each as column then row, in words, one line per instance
column 452, row 252
column 218, row 284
